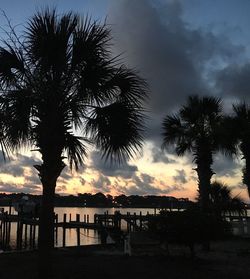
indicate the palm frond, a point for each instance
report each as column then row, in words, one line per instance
column 76, row 150
column 48, row 38
column 227, row 136
column 131, row 88
column 11, row 66
column 90, row 42
column 172, row 129
column 17, row 107
column 117, row 130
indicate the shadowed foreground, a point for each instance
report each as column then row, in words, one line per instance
column 228, row 259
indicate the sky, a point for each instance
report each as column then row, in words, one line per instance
column 181, row 47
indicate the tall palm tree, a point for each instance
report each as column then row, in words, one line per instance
column 239, row 133
column 195, row 129
column 60, row 89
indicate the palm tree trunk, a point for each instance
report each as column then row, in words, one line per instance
column 46, row 230
column 246, row 173
column 48, row 174
column 205, row 174
column 46, row 236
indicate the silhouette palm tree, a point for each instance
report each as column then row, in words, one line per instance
column 60, row 90
column 195, row 128
column 238, row 133
column 222, row 202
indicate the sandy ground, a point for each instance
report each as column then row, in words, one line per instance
column 227, row 259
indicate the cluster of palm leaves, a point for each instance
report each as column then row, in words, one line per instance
column 201, row 128
column 61, row 89
column 222, row 202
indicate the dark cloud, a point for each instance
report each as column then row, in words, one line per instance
column 181, row 176
column 61, row 189
column 233, row 81
column 32, row 179
column 145, row 184
column 138, row 184
column 101, row 184
column 123, row 170
column 7, row 187
column 159, row 156
column 66, row 174
column 225, row 166
column 30, row 188
column 13, row 188
column 173, row 57
column 82, row 180
column 16, row 166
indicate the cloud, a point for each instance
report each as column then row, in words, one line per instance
column 61, row 189
column 101, row 184
column 145, row 184
column 181, row 176
column 66, row 174
column 233, row 81
column 174, row 58
column 14, row 188
column 159, row 156
column 16, row 165
column 225, row 166
column 124, row 170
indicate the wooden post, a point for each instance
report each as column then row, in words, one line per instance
column 78, row 230
column 25, row 235
column 140, row 221
column 84, row 218
column 70, row 217
column 105, row 218
column 1, row 231
column 134, row 222
column 34, row 237
column 30, row 236
column 20, row 234
column 241, row 226
column 56, row 224
column 128, row 220
column 64, row 229
column 17, row 232
column 87, row 218
column 9, row 231
column 5, row 230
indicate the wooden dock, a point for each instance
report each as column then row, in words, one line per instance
column 105, row 224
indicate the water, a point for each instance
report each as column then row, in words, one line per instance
column 87, row 237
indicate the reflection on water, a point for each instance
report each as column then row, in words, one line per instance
column 87, row 237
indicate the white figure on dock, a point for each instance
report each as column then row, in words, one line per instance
column 127, row 245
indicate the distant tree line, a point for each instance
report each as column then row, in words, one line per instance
column 101, row 200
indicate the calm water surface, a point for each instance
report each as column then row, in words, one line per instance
column 87, row 237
